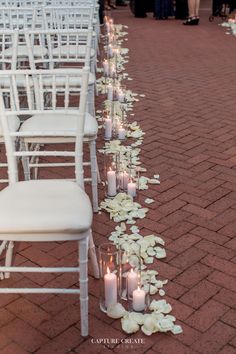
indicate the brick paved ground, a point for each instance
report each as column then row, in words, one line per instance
column 188, row 77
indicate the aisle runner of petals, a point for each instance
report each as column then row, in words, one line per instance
column 230, row 25
column 122, row 209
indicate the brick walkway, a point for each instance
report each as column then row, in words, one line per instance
column 188, row 77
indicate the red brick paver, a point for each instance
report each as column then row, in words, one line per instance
column 188, row 115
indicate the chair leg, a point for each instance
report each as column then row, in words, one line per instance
column 98, row 172
column 93, row 257
column 25, row 161
column 8, row 260
column 83, row 278
column 93, row 161
column 91, row 100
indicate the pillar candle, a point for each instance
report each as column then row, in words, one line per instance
column 108, row 128
column 110, row 92
column 113, row 71
column 110, row 50
column 106, row 67
column 123, row 180
column 121, row 96
column 121, row 133
column 131, row 189
column 110, row 283
column 139, row 299
column 111, row 183
column 132, row 282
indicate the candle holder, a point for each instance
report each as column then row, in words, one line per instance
column 108, row 126
column 110, row 172
column 121, row 131
column 132, row 187
column 130, row 273
column 122, row 172
column 123, row 179
column 110, row 91
column 106, row 70
column 120, row 94
column 139, row 300
column 109, row 262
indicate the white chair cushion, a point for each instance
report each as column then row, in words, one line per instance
column 14, row 123
column 59, row 122
column 72, row 51
column 73, row 81
column 44, row 206
column 5, row 81
column 22, row 51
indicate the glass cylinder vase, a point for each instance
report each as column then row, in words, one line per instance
column 130, row 273
column 109, row 262
column 110, row 173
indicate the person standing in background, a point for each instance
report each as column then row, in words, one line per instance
column 181, row 9
column 193, row 12
column 163, row 9
column 139, row 8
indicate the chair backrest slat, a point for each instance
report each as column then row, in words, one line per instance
column 36, row 92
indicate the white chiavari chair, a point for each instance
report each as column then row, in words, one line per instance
column 77, row 3
column 46, row 210
column 8, row 40
column 73, row 17
column 21, row 18
column 63, row 60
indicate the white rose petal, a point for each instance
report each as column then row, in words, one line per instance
column 137, row 317
column 129, row 325
column 149, row 201
column 177, row 329
column 161, row 292
column 116, row 311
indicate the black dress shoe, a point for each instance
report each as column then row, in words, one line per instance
column 191, row 21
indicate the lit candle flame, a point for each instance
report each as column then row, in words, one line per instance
column 108, row 270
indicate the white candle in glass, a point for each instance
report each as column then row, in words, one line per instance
column 132, row 282
column 131, row 188
column 121, row 133
column 139, row 299
column 111, row 183
column 110, row 92
column 110, row 283
column 113, row 71
column 106, row 67
column 110, row 50
column 121, row 96
column 123, row 180
column 108, row 128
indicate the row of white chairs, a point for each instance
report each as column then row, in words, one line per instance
column 43, row 107
column 54, row 49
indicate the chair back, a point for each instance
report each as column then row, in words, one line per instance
column 21, row 18
column 8, row 49
column 80, row 17
column 35, row 92
column 64, row 48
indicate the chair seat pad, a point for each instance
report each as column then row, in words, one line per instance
column 22, row 51
column 68, row 51
column 73, row 81
column 5, row 81
column 44, row 206
column 58, row 122
column 14, row 123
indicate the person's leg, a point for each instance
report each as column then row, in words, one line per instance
column 197, row 4
column 191, row 8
